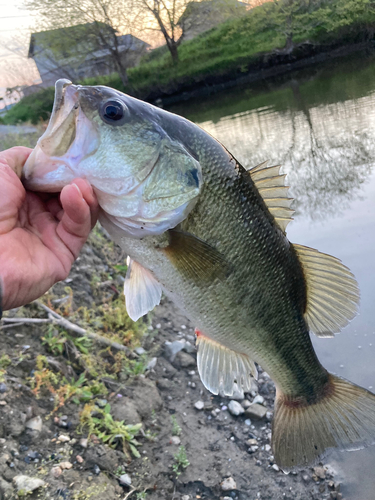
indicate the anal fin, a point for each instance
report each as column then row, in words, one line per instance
column 221, row 368
column 142, row 291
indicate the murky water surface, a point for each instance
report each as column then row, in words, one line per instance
column 320, row 126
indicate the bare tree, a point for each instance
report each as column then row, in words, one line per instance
column 167, row 14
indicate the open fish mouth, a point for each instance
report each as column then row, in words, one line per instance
column 69, row 137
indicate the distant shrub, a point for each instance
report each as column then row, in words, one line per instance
column 33, row 108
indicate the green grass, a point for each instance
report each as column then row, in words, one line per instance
column 233, row 48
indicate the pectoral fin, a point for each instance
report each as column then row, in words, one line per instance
column 142, row 291
column 220, row 368
column 195, row 259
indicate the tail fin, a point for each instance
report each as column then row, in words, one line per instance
column 343, row 417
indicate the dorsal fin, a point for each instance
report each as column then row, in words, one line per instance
column 270, row 184
column 332, row 292
column 220, row 368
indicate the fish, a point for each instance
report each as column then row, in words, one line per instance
column 211, row 235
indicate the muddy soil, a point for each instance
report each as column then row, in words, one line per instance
column 227, row 456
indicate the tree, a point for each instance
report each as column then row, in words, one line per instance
column 167, row 14
column 97, row 23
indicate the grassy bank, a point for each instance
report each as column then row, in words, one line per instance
column 265, row 37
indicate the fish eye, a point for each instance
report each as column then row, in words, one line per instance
column 113, row 112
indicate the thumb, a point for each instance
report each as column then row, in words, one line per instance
column 80, row 212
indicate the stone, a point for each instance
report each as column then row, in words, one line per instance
column 151, row 364
column 125, row 480
column 228, row 484
column 164, row 384
column 63, row 438
column 79, row 459
column 34, row 424
column 256, row 411
column 3, row 387
column 101, row 403
column 147, row 397
column 56, row 472
column 184, row 360
column 235, row 408
column 26, row 484
column 258, row 399
column 267, row 447
column 140, row 351
column 126, row 411
column 252, row 442
column 172, row 348
column 245, row 403
column 276, row 467
column 101, row 456
column 175, row 440
column 319, row 472
column 6, row 489
column 185, row 497
column 96, row 470
column 84, row 442
column 66, row 465
column 199, row 405
column 238, row 393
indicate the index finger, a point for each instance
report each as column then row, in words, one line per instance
column 15, row 158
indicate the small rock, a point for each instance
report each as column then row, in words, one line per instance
column 175, row 440
column 319, row 472
column 151, row 364
column 35, row 424
column 306, row 478
column 252, row 442
column 26, row 484
column 125, row 480
column 248, row 422
column 186, row 497
column 228, row 484
column 267, row 447
column 3, row 387
column 335, row 495
column 253, row 449
column 258, row 399
column 63, row 438
column 199, row 405
column 276, row 467
column 256, row 411
column 140, row 351
column 79, row 459
column 56, row 472
column 237, row 393
column 245, row 403
column 66, row 465
column 101, row 403
column 172, row 348
column 235, row 408
column 184, row 360
column 83, row 442
column 96, row 470
column 125, row 410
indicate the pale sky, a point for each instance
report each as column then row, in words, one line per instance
column 15, row 28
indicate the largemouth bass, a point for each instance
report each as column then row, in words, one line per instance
column 211, row 235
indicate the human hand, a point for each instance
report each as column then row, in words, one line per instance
column 40, row 235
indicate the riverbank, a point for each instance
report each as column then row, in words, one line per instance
column 267, row 41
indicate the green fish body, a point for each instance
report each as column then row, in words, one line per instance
column 211, row 235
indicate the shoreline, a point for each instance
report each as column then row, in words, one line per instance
column 267, row 66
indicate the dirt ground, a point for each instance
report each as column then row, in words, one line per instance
column 63, row 398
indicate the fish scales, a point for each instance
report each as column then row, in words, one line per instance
column 196, row 225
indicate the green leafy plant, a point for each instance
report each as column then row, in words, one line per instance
column 109, row 430
column 181, row 461
column 176, row 429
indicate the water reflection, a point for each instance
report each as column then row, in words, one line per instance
column 327, row 151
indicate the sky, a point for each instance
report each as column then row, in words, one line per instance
column 15, row 28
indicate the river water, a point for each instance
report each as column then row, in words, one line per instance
column 319, row 124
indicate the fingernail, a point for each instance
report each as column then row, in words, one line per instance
column 77, row 188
